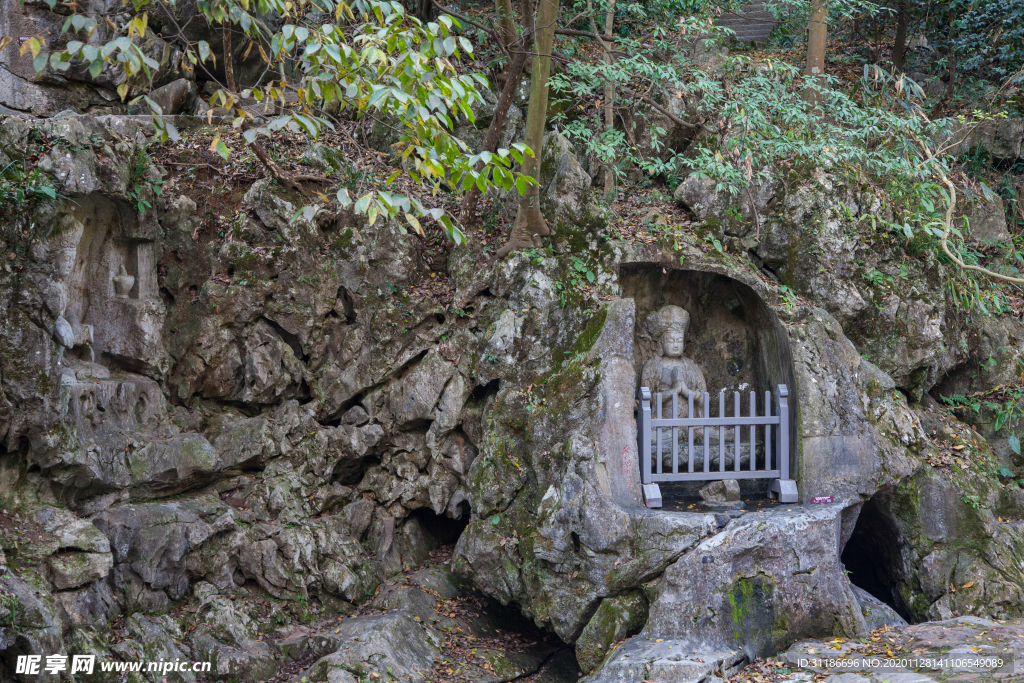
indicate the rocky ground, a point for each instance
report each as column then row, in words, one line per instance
column 961, row 649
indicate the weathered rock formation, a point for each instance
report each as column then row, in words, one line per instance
column 266, row 427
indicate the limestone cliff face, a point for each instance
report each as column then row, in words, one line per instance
column 275, row 409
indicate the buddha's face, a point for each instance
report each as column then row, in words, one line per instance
column 672, row 343
column 65, row 261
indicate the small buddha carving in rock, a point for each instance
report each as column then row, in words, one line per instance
column 670, row 371
column 69, row 331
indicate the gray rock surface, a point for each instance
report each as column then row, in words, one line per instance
column 266, row 429
column 876, row 613
column 758, row 584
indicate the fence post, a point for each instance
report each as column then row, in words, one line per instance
column 784, row 430
column 651, row 491
column 784, row 488
column 644, row 434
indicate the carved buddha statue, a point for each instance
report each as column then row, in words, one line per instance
column 68, row 330
column 670, row 371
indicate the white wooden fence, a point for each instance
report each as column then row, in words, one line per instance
column 762, row 441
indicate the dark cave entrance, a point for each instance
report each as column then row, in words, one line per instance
column 425, row 537
column 441, row 529
column 873, row 556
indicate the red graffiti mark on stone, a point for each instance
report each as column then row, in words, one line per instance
column 627, row 460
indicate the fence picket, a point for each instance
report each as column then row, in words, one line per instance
column 753, row 432
column 707, row 434
column 737, row 438
column 658, row 458
column 689, row 431
column 721, row 432
column 675, row 434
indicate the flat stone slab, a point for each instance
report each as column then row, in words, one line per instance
column 962, row 649
column 665, row 661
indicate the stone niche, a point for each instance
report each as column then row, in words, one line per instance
column 735, row 339
column 106, row 287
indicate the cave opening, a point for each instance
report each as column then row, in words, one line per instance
column 442, row 530
column 873, row 556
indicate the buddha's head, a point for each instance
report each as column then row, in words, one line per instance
column 672, row 343
column 669, row 325
column 65, row 261
column 68, row 231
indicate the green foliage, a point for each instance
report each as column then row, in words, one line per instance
column 139, row 184
column 364, row 58
column 19, row 187
column 973, row 500
column 768, row 124
column 1005, row 405
column 986, row 37
column 653, row 64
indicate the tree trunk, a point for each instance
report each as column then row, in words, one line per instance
column 426, row 12
column 506, row 22
column 817, row 29
column 467, row 207
column 941, row 105
column 609, row 86
column 530, row 225
column 229, row 62
column 609, row 95
column 899, row 48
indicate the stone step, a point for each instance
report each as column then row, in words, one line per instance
column 661, row 659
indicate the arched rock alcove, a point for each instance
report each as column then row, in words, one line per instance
column 109, row 285
column 733, row 336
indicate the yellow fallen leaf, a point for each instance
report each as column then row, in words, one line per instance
column 659, row 640
column 967, row 585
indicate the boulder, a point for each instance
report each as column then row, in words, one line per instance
column 564, row 185
column 656, row 136
column 893, row 309
column 152, row 540
column 173, row 98
column 161, row 640
column 227, row 638
column 666, row 660
column 986, row 218
column 876, row 613
column 615, row 619
column 413, row 635
column 934, row 644
column 71, row 570
column 727, row 213
column 93, row 606
column 1001, row 138
column 758, row 584
column 727, row 491
column 415, row 396
column 30, row 625
column 253, row 660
